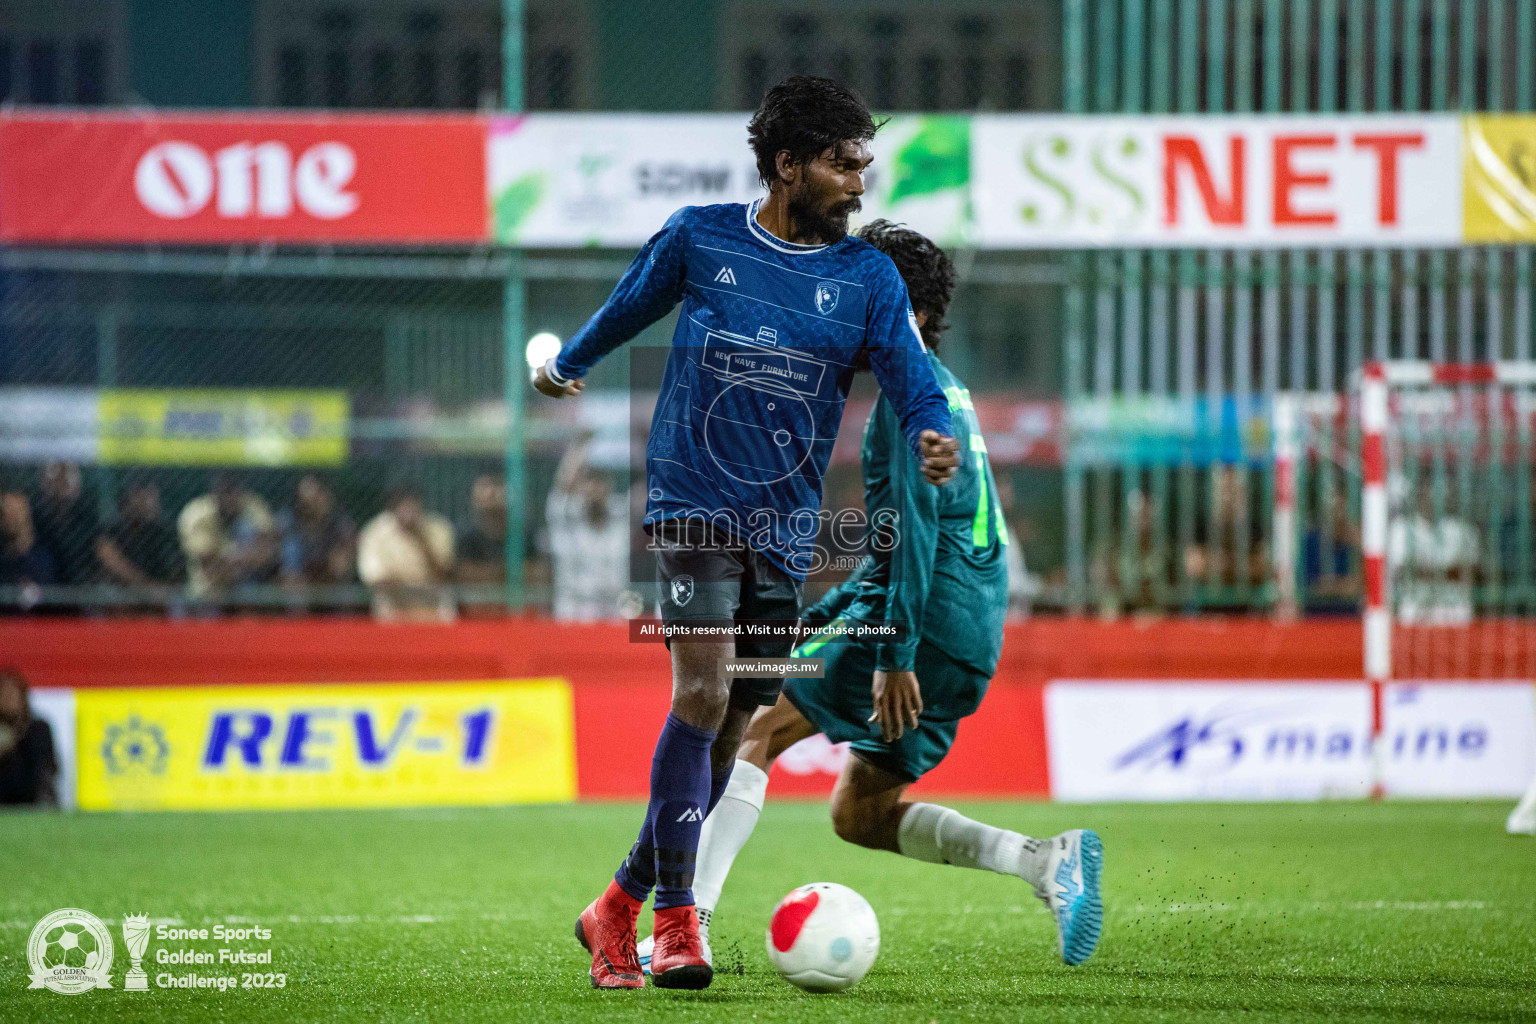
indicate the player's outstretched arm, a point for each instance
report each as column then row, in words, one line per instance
column 649, row 289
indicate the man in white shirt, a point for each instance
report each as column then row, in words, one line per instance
column 405, row 554
column 589, row 533
column 1434, row 556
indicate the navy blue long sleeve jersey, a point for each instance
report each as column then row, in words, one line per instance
column 760, row 366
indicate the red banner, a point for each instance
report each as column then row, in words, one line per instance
column 1000, row 751
column 70, row 178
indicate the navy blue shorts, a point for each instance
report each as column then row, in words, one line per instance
column 707, row 576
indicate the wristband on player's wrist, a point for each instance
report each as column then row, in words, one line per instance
column 554, row 374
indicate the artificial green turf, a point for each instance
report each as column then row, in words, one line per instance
column 1398, row 911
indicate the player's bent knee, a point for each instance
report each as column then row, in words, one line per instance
column 857, row 823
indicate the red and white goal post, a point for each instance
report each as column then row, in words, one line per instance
column 1445, row 455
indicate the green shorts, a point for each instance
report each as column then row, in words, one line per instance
column 840, row 703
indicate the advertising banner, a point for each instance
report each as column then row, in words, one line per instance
column 223, row 427
column 1168, row 430
column 1160, row 740
column 1000, row 750
column 56, row 706
column 1048, row 181
column 199, row 178
column 1499, row 155
column 1207, row 741
column 997, row 181
column 1459, row 740
column 44, row 424
column 360, row 745
column 563, row 180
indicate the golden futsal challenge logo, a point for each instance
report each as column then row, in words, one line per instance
column 70, row 951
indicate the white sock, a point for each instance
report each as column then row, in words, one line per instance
column 1523, row 817
column 941, row 835
column 726, row 831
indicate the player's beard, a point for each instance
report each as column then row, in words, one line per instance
column 828, row 224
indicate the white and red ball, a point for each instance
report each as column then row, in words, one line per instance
column 823, row 937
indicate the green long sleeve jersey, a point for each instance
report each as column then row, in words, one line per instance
column 936, row 568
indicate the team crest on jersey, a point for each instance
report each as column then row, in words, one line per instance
column 826, row 297
column 682, row 590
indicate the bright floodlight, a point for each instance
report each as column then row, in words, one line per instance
column 540, row 347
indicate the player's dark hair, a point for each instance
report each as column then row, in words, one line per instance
column 929, row 274
column 805, row 116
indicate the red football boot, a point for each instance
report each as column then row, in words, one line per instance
column 677, row 960
column 606, row 929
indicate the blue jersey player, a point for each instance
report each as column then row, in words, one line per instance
column 778, row 307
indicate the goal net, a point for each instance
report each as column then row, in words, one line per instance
column 1446, row 526
column 1411, row 502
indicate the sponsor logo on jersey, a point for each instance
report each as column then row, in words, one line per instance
column 726, row 276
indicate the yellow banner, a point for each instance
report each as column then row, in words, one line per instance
column 1499, row 154
column 358, row 745
column 188, row 427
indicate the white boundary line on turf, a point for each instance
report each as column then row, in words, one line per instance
column 1399, row 906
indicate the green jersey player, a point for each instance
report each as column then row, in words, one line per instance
column 937, row 574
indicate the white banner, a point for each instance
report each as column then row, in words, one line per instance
column 1207, row 741
column 1009, row 181
column 562, row 180
column 1217, row 181
column 44, row 424
column 1159, row 740
column 56, row 706
column 1460, row 740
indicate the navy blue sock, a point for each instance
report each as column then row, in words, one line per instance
column 680, row 790
column 637, row 875
column 679, row 795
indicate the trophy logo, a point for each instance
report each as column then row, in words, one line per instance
column 136, row 937
column 70, row 952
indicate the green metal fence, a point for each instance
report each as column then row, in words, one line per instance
column 1242, row 327
column 428, row 346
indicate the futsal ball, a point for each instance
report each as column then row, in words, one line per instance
column 823, row 937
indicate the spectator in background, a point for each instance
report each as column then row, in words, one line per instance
column 1220, row 558
column 228, row 539
column 588, row 539
column 482, row 545
column 67, row 523
column 1434, row 554
column 405, row 553
column 24, row 562
column 29, row 766
column 483, row 539
column 318, row 538
column 138, row 548
column 1331, row 564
